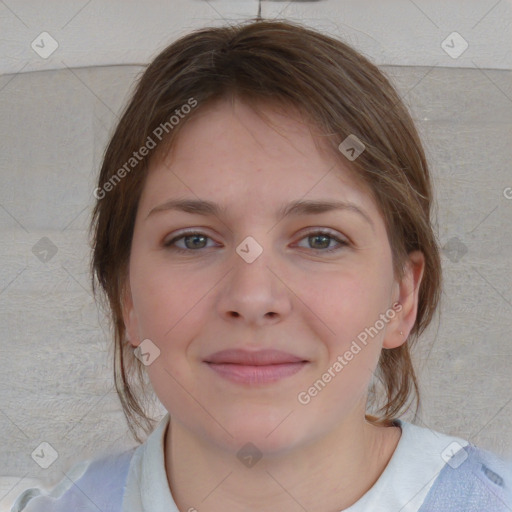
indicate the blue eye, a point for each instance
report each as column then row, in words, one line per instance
column 195, row 240
column 326, row 237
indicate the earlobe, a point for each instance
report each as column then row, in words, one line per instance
column 408, row 297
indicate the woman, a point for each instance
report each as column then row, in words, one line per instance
column 262, row 233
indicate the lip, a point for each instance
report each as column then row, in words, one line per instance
column 254, row 358
column 260, row 367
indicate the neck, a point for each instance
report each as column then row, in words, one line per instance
column 329, row 473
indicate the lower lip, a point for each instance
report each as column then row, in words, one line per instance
column 256, row 374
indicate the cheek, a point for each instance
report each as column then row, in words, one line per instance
column 351, row 307
column 349, row 302
column 168, row 300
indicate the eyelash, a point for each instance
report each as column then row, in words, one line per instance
column 169, row 244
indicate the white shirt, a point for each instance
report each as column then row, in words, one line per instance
column 402, row 486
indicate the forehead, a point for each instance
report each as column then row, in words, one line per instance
column 251, row 157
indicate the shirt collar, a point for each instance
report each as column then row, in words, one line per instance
column 147, row 488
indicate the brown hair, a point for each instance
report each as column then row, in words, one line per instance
column 341, row 93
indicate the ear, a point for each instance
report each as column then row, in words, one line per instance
column 129, row 315
column 407, row 295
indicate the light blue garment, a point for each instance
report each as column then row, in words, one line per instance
column 481, row 483
column 100, row 488
column 473, row 480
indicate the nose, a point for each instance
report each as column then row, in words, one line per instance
column 254, row 292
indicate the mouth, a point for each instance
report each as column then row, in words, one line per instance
column 261, row 367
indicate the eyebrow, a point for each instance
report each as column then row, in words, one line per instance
column 299, row 207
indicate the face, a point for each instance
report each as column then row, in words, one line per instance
column 309, row 283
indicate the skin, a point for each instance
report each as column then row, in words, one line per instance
column 322, row 456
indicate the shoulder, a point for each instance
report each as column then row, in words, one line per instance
column 460, row 476
column 473, row 479
column 89, row 485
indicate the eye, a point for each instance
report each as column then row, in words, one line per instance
column 322, row 239
column 193, row 241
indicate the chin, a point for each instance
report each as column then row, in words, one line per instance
column 265, row 431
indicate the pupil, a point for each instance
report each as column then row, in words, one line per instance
column 194, row 238
column 325, row 237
